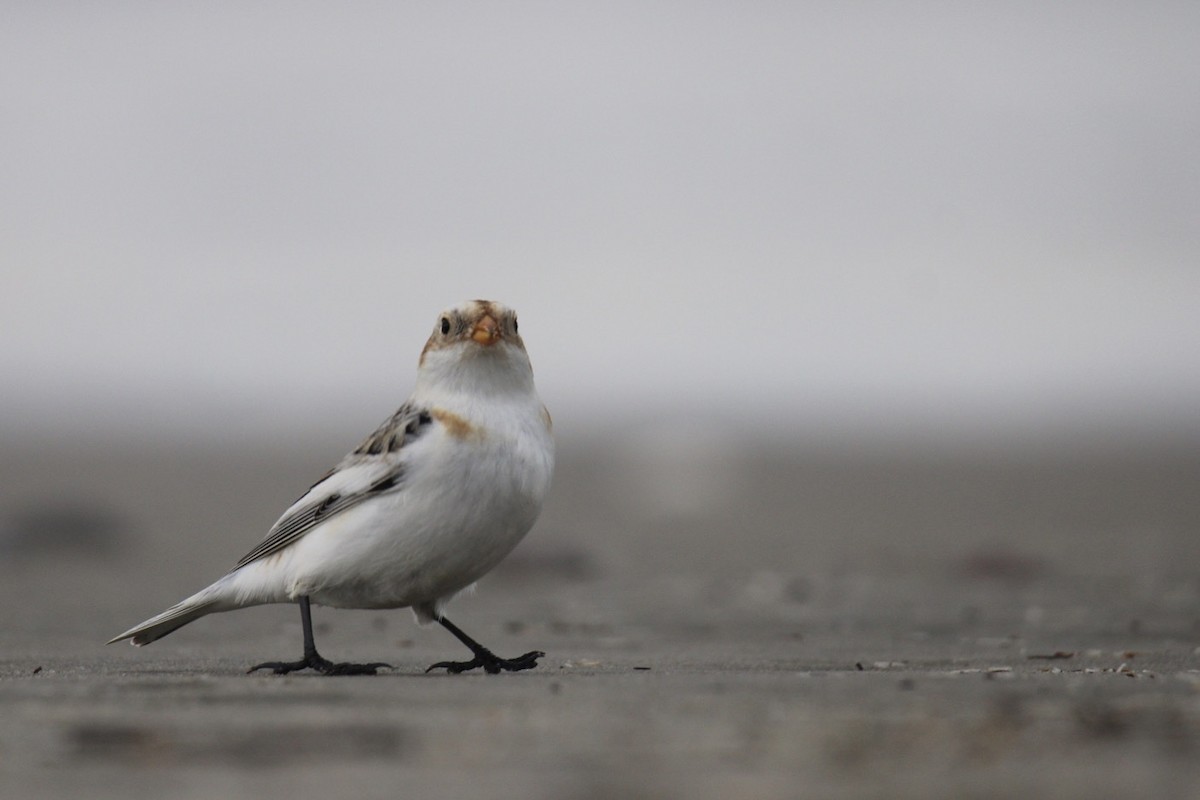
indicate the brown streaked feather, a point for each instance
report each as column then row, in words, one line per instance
column 406, row 424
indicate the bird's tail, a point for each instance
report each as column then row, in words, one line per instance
column 205, row 601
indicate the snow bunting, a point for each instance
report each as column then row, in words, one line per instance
column 422, row 509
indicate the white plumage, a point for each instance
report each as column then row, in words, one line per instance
column 427, row 505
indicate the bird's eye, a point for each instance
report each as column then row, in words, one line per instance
column 445, row 325
column 514, row 324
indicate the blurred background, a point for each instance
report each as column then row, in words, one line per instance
column 876, row 287
column 921, row 221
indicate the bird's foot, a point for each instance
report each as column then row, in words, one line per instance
column 491, row 663
column 324, row 666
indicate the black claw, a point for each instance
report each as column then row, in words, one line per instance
column 491, row 663
column 321, row 665
column 485, row 658
column 312, row 659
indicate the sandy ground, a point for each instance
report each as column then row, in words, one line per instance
column 768, row 624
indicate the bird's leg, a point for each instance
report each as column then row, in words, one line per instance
column 485, row 658
column 312, row 659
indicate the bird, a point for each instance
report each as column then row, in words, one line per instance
column 429, row 503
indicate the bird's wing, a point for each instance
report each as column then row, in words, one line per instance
column 373, row 468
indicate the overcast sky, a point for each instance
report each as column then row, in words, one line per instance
column 979, row 215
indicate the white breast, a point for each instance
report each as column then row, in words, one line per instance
column 473, row 487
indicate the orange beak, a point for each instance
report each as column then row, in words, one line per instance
column 486, row 331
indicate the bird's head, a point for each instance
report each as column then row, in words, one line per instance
column 475, row 346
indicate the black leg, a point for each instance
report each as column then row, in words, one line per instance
column 485, row 658
column 312, row 659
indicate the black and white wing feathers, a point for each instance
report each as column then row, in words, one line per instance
column 373, row 468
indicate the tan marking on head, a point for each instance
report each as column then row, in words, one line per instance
column 546, row 418
column 455, row 425
column 484, row 308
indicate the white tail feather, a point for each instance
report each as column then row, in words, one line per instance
column 205, row 601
